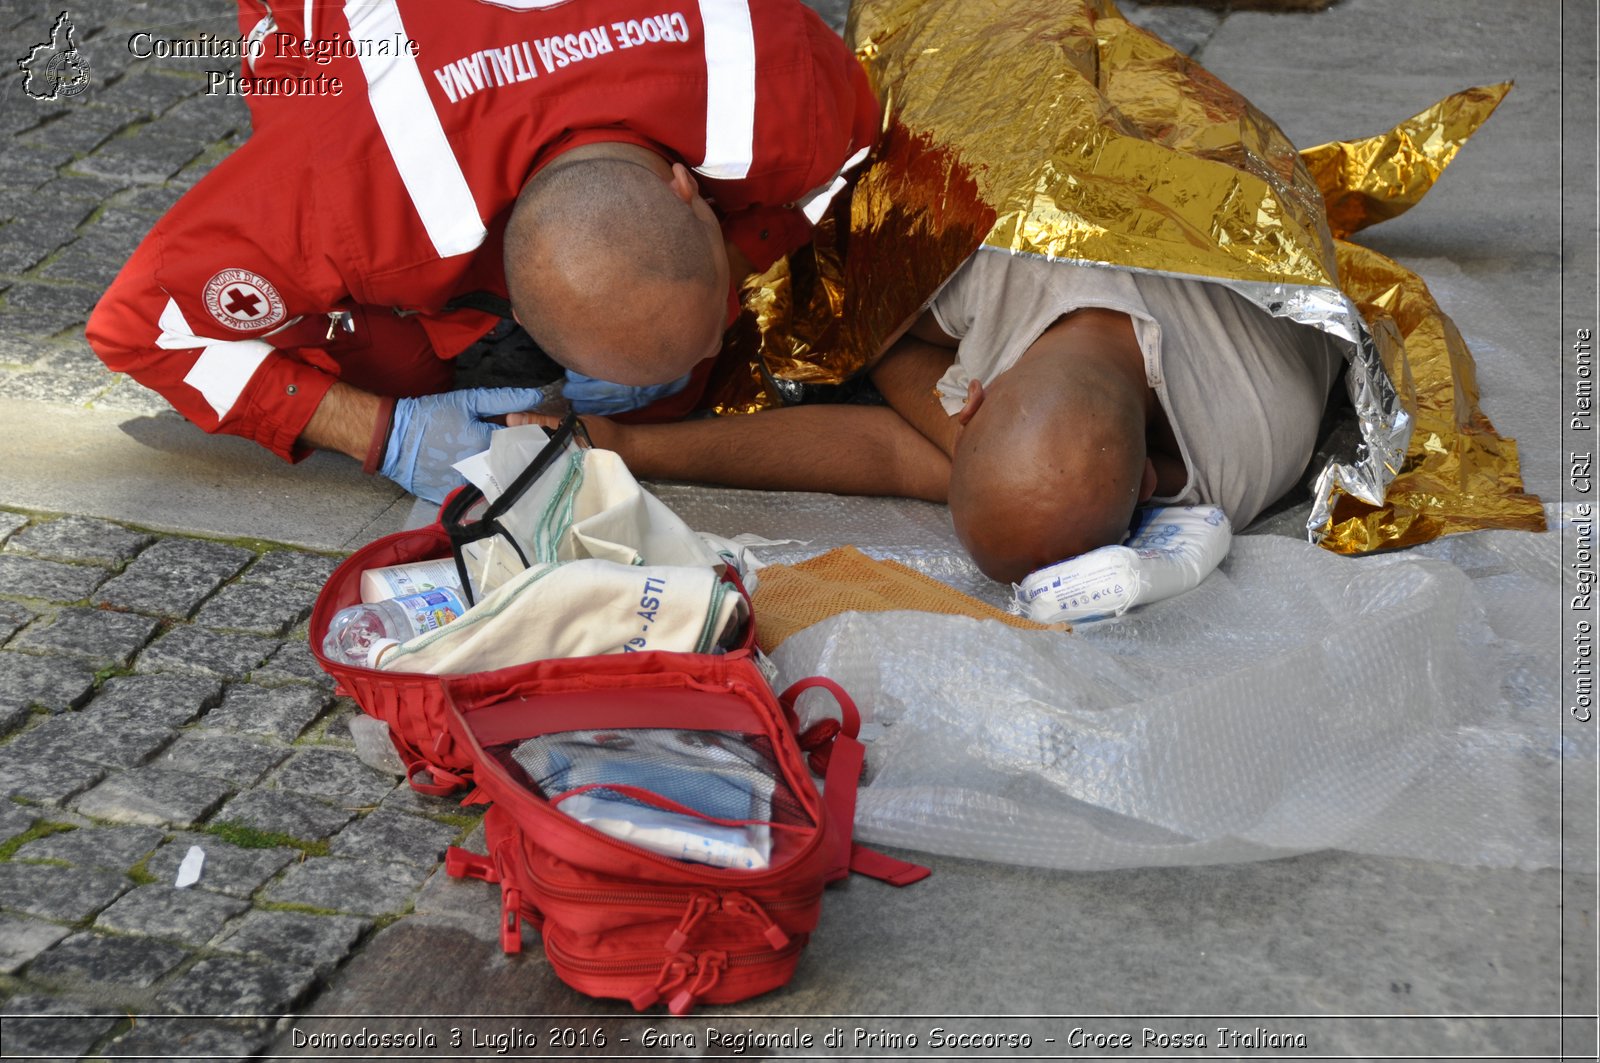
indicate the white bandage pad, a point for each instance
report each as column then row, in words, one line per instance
column 1169, row 552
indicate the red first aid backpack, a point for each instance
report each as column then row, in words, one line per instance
column 619, row 920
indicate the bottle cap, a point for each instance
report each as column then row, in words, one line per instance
column 378, row 648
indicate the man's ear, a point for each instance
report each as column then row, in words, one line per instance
column 974, row 400
column 683, row 184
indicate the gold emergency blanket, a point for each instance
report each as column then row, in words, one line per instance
column 1057, row 128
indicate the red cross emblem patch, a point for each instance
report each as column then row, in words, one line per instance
column 243, row 300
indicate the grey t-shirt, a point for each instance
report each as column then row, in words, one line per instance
column 1244, row 391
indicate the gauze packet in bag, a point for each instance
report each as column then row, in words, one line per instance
column 715, row 775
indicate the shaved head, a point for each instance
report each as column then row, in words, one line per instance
column 1051, row 465
column 613, row 272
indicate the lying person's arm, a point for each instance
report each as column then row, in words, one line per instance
column 906, row 376
column 845, row 450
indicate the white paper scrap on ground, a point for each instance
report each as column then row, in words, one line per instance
column 189, row 870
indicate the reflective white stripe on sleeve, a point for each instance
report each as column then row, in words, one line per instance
column 730, row 89
column 224, row 367
column 816, row 204
column 410, row 127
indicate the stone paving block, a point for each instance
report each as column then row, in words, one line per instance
column 80, row 539
column 103, row 638
column 150, row 92
column 150, row 199
column 279, row 812
column 12, row 717
column 388, row 835
column 22, row 351
column 224, row 756
column 66, row 894
column 333, row 775
column 179, row 1037
column 25, row 163
column 108, row 960
column 14, row 820
column 293, row 663
column 278, row 712
column 21, row 939
column 191, row 916
column 112, row 741
column 29, row 240
column 352, row 887
column 53, row 683
column 56, row 1028
column 404, row 799
column 336, row 726
column 14, row 616
column 229, row 985
column 67, row 299
column 170, row 699
column 50, row 781
column 32, row 577
column 154, row 796
column 193, row 649
column 261, row 608
column 85, row 262
column 60, row 386
column 112, row 848
column 296, row 567
column 173, row 576
column 78, row 139
column 227, row 868
column 316, row 941
column 10, row 524
column 127, row 227
column 129, row 395
column 139, row 158
column 45, row 330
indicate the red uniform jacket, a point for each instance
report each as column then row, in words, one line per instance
column 395, row 192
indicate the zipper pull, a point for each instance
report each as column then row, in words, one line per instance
column 700, row 905
column 707, row 974
column 510, row 920
column 747, row 907
column 340, row 321
column 672, row 974
column 461, row 863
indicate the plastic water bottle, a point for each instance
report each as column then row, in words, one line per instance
column 360, row 634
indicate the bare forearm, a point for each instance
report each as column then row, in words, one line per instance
column 906, row 377
column 848, row 450
column 344, row 421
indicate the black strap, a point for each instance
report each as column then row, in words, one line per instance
column 463, row 531
column 488, row 302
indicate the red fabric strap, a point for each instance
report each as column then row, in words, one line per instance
column 885, row 868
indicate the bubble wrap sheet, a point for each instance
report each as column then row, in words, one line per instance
column 1405, row 704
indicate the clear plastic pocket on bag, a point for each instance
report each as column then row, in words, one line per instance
column 709, row 797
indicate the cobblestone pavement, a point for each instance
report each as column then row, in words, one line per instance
column 156, row 691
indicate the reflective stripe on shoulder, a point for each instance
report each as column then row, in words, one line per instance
column 411, row 129
column 730, row 89
column 224, row 367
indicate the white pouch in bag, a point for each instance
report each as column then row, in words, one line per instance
column 1172, row 550
column 578, row 608
column 585, row 505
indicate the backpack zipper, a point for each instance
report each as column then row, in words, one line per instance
column 693, row 975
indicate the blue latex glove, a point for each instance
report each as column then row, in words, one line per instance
column 588, row 395
column 433, row 432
